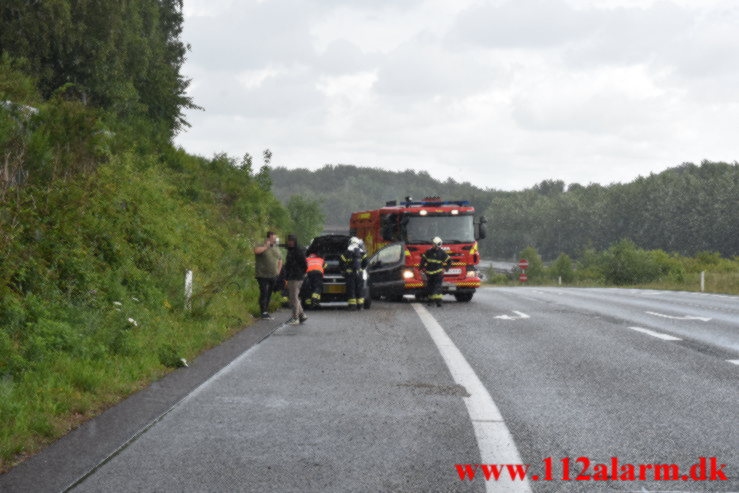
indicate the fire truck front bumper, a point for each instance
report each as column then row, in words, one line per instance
column 449, row 286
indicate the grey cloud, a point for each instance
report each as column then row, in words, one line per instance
column 521, row 23
column 631, row 36
column 250, row 35
column 607, row 114
column 424, row 68
column 278, row 96
column 342, row 57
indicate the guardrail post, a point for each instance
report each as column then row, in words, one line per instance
column 560, row 280
column 188, row 290
column 703, row 280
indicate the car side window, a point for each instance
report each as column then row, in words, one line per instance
column 390, row 254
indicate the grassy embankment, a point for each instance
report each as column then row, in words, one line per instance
column 91, row 303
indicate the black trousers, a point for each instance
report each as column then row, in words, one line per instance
column 315, row 284
column 433, row 285
column 266, row 286
column 353, row 287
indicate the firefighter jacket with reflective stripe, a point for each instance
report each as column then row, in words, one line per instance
column 353, row 260
column 315, row 263
column 435, row 260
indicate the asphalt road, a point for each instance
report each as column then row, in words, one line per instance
column 393, row 398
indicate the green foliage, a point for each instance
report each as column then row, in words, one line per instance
column 306, row 216
column 562, row 267
column 15, row 84
column 124, row 57
column 91, row 276
column 535, row 270
column 625, row 263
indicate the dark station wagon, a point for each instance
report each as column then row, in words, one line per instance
column 330, row 247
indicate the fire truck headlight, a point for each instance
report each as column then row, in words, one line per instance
column 471, row 273
column 407, row 274
column 455, row 212
column 422, row 212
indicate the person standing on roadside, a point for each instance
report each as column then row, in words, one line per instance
column 268, row 262
column 295, row 268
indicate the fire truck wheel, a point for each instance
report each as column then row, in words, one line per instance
column 464, row 297
column 397, row 298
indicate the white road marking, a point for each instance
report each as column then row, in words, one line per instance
column 734, row 361
column 684, row 317
column 521, row 316
column 493, row 438
column 656, row 334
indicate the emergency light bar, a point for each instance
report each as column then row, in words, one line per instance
column 435, row 203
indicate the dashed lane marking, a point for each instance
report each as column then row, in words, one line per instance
column 680, row 317
column 493, row 438
column 658, row 335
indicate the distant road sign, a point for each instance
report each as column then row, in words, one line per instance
column 523, row 277
column 523, row 263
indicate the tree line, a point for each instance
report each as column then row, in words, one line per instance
column 685, row 209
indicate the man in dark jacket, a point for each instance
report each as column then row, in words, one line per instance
column 353, row 262
column 295, row 267
column 434, row 262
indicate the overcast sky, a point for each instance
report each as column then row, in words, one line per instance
column 502, row 93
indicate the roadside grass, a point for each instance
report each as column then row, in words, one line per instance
column 63, row 390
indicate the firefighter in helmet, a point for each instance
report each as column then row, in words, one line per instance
column 353, row 262
column 316, row 266
column 434, row 262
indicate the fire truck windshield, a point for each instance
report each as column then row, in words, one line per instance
column 451, row 229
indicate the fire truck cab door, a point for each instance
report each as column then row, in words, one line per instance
column 385, row 269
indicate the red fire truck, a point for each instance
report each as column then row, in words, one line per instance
column 398, row 234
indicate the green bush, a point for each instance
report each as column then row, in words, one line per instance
column 535, row 270
column 562, row 267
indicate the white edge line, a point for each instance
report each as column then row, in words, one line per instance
column 658, row 335
column 733, row 361
column 493, row 438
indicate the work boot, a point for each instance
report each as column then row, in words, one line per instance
column 293, row 321
column 303, row 318
column 438, row 303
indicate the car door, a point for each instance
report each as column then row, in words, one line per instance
column 385, row 269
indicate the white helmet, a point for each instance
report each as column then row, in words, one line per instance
column 437, row 241
column 354, row 240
